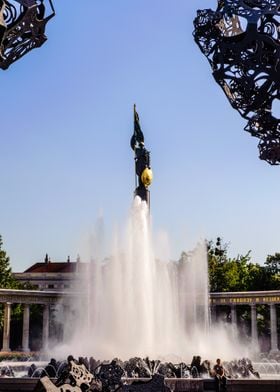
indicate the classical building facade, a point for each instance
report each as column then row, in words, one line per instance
column 54, row 276
column 50, row 282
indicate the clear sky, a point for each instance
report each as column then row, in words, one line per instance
column 66, row 122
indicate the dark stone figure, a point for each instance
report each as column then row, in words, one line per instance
column 142, row 161
column 241, row 42
column 65, row 376
column 84, row 361
column 240, row 368
column 136, row 367
column 170, row 370
column 51, row 368
column 31, row 370
column 205, row 370
column 196, row 367
column 110, row 376
column 22, row 28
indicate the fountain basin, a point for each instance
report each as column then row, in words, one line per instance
column 175, row 384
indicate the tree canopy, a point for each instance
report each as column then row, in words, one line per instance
column 7, row 281
column 225, row 273
column 240, row 273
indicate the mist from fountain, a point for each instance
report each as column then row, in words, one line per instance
column 138, row 305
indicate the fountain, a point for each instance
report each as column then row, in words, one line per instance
column 138, row 305
column 133, row 305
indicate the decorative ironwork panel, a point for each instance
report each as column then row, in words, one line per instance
column 80, row 374
column 241, row 40
column 22, row 28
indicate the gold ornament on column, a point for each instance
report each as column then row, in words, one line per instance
column 147, row 177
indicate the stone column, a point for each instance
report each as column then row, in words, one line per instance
column 254, row 330
column 67, row 327
column 6, row 329
column 46, row 322
column 233, row 315
column 273, row 329
column 213, row 314
column 25, row 330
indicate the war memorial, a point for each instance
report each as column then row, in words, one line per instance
column 167, row 306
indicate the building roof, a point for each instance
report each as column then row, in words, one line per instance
column 55, row 267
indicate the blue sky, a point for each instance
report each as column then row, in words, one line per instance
column 67, row 120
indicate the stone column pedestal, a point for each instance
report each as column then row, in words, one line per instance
column 273, row 329
column 254, row 330
column 25, row 330
column 233, row 315
column 6, row 329
column 213, row 314
column 46, row 322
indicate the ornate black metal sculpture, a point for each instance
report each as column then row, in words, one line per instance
column 134, row 375
column 241, row 41
column 22, row 28
column 143, row 171
column 110, row 375
column 75, row 377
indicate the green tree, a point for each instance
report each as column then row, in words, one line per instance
column 272, row 268
column 217, row 254
column 239, row 273
column 7, row 281
column 226, row 274
column 273, row 263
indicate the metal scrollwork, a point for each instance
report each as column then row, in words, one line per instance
column 22, row 28
column 80, row 374
column 241, row 41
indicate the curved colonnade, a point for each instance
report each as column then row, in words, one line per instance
column 48, row 298
column 251, row 298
